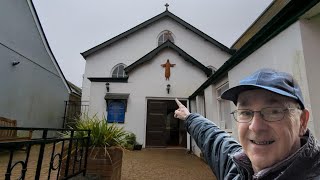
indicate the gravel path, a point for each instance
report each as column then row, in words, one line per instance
column 164, row 164
column 147, row 164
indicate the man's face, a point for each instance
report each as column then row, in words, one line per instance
column 267, row 143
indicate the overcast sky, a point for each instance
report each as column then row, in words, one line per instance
column 74, row 26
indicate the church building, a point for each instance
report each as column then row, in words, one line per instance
column 134, row 77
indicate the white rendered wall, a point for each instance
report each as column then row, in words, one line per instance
column 140, row 43
column 193, row 106
column 210, row 102
column 200, row 107
column 195, row 149
column 310, row 33
column 284, row 53
column 148, row 81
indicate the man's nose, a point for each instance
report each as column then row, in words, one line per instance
column 257, row 123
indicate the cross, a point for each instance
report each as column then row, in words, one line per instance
column 167, row 67
column 166, row 5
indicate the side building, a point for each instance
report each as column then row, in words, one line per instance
column 285, row 37
column 33, row 89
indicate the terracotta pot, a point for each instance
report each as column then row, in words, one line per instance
column 105, row 165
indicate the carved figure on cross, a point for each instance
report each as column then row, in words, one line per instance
column 167, row 67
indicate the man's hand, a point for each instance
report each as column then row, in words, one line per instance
column 182, row 112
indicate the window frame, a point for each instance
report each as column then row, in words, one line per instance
column 117, row 68
column 109, row 110
column 162, row 35
column 225, row 118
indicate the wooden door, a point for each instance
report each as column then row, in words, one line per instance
column 156, row 123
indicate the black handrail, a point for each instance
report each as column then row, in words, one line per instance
column 72, row 158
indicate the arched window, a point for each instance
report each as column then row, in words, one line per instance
column 164, row 36
column 213, row 69
column 118, row 71
column 116, row 111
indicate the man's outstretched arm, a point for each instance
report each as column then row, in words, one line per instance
column 215, row 144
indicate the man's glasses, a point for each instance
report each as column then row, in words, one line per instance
column 270, row 114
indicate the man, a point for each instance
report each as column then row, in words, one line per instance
column 272, row 129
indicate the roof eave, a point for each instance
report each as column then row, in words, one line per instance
column 123, row 35
column 152, row 20
column 202, row 34
column 287, row 16
column 168, row 44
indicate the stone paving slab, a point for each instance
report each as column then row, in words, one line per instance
column 147, row 164
column 164, row 164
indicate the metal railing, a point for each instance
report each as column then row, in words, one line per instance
column 58, row 154
column 72, row 110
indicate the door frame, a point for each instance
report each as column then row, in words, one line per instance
column 165, row 99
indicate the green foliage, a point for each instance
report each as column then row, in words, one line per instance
column 103, row 134
column 130, row 140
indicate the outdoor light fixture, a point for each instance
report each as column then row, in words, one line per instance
column 168, row 88
column 14, row 63
column 107, row 86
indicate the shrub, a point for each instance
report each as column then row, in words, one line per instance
column 130, row 140
column 103, row 134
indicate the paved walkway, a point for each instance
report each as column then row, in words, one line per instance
column 164, row 164
column 147, row 164
column 32, row 163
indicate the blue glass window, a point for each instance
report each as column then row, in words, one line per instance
column 116, row 112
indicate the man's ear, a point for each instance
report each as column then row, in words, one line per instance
column 304, row 118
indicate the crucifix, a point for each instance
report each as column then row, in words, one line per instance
column 167, row 67
column 166, row 5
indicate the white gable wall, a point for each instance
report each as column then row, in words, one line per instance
column 148, row 81
column 140, row 43
column 284, row 53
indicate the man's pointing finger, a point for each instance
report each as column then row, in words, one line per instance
column 179, row 103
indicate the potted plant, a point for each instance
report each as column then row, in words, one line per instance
column 131, row 142
column 137, row 146
column 105, row 148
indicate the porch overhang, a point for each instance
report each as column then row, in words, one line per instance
column 109, row 97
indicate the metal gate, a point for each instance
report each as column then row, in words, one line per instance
column 51, row 156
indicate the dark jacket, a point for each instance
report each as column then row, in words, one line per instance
column 227, row 160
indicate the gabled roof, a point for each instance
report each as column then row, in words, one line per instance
column 273, row 8
column 74, row 89
column 283, row 19
column 170, row 45
column 165, row 14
